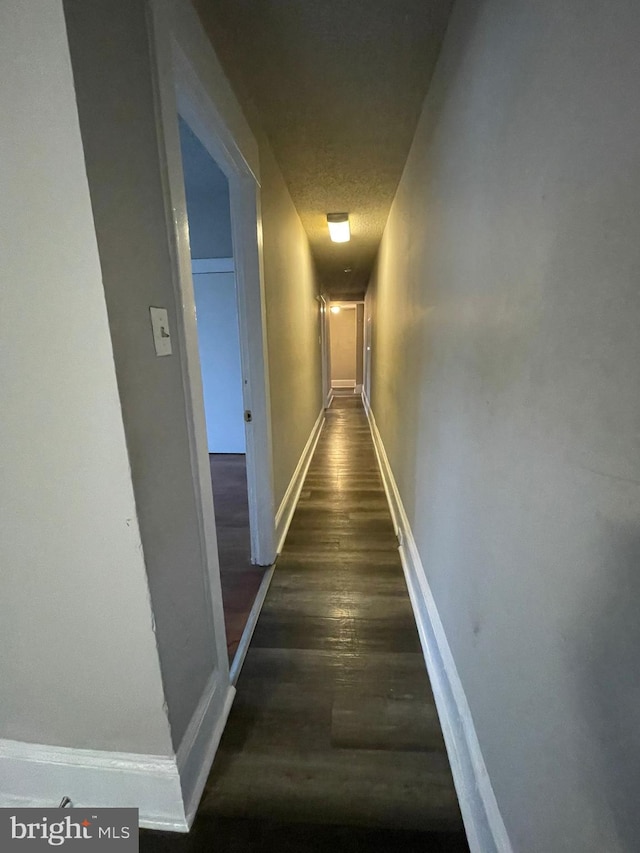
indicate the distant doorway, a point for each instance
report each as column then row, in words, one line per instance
column 346, row 347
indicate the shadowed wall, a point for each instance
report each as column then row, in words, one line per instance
column 505, row 386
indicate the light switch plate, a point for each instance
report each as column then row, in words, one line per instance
column 161, row 333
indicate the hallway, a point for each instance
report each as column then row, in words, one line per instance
column 469, row 174
column 333, row 740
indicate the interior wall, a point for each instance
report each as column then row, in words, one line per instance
column 112, row 65
column 219, row 344
column 79, row 666
column 505, row 361
column 207, row 191
column 293, row 323
column 343, row 338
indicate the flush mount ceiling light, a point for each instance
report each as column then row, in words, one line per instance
column 339, row 227
column 335, row 309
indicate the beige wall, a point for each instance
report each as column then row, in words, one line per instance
column 293, row 323
column 505, row 385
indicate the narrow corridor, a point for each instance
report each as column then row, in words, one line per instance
column 333, row 742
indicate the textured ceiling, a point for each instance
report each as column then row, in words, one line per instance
column 337, row 86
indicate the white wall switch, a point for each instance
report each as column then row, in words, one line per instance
column 161, row 334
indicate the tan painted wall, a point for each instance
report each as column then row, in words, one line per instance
column 293, row 324
column 505, row 385
column 343, row 337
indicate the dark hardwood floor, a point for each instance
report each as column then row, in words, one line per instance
column 333, row 742
column 240, row 580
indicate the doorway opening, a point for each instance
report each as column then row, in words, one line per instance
column 219, row 345
column 346, row 347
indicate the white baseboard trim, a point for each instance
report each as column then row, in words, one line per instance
column 34, row 775
column 290, row 499
column 343, row 383
column 165, row 789
column 200, row 742
column 249, row 628
column 483, row 822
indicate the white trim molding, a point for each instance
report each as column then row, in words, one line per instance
column 289, row 501
column 249, row 628
column 483, row 822
column 200, row 742
column 34, row 775
column 165, row 789
column 343, row 383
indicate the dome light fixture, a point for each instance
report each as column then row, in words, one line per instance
column 339, row 227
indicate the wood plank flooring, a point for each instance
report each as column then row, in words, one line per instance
column 240, row 580
column 333, row 742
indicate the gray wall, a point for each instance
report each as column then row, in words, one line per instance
column 505, row 385
column 207, row 191
column 79, row 665
column 219, row 344
column 112, row 68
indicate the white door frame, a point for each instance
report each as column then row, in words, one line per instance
column 180, row 89
column 325, row 354
column 366, row 356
